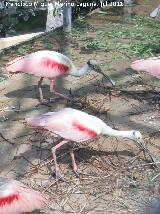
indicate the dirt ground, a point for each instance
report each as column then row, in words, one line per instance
column 116, row 177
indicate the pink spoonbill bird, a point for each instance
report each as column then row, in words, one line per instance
column 150, row 65
column 16, row 198
column 77, row 126
column 50, row 64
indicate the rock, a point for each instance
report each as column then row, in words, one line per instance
column 156, row 12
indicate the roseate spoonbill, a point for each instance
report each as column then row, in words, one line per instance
column 16, row 198
column 76, row 126
column 150, row 65
column 51, row 64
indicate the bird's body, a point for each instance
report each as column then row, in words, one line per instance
column 150, row 65
column 76, row 126
column 16, row 198
column 71, row 124
column 50, row 64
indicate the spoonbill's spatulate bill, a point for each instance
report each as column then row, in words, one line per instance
column 150, row 65
column 50, row 64
column 16, row 198
column 76, row 126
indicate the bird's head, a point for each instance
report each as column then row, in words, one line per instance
column 137, row 136
column 93, row 64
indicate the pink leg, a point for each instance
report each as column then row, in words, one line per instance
column 58, row 174
column 51, row 85
column 75, row 168
column 42, row 100
column 52, row 90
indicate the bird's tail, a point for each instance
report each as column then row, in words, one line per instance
column 15, row 66
column 35, row 121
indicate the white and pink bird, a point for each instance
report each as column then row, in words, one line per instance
column 150, row 65
column 17, row 198
column 77, row 126
column 50, row 64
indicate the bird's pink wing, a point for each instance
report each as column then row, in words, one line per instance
column 71, row 130
column 42, row 63
column 15, row 65
column 16, row 198
column 83, row 131
column 151, row 65
column 50, row 64
column 66, row 125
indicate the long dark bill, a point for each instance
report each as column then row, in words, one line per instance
column 99, row 70
column 141, row 144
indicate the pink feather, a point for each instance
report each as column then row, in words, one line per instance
column 150, row 65
column 69, row 123
column 16, row 198
column 47, row 64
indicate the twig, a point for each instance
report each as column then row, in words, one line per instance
column 142, row 165
column 155, row 177
column 28, row 161
column 1, row 135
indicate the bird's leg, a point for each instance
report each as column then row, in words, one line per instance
column 58, row 173
column 74, row 165
column 42, row 100
column 53, row 91
column 51, row 85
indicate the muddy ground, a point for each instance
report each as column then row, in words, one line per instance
column 116, row 177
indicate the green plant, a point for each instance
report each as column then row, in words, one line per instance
column 94, row 44
column 22, row 50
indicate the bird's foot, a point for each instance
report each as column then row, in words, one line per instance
column 48, row 101
column 44, row 101
column 70, row 98
column 53, row 99
column 77, row 173
column 59, row 175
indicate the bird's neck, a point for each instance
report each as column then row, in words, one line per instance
column 116, row 133
column 81, row 71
